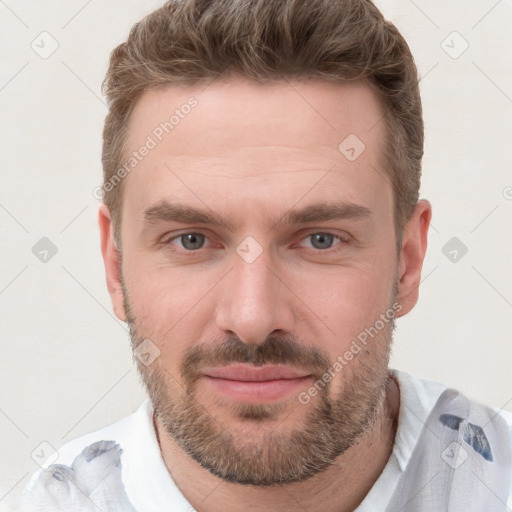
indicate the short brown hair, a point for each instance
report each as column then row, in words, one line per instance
column 190, row 41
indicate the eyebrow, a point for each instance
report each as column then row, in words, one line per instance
column 164, row 211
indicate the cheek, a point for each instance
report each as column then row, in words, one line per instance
column 165, row 292
column 169, row 306
column 358, row 338
column 347, row 302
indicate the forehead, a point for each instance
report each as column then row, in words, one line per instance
column 240, row 140
column 241, row 112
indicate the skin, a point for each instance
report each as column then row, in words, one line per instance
column 252, row 152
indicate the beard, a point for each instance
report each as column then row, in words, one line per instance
column 251, row 449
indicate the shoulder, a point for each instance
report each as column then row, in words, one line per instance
column 94, row 453
column 422, row 394
column 418, row 399
column 506, row 415
column 419, row 396
column 119, row 431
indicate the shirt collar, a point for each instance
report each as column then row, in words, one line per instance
column 416, row 401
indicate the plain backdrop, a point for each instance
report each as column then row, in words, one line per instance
column 66, row 366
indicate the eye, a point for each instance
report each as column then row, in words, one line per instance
column 192, row 241
column 323, row 241
column 189, row 241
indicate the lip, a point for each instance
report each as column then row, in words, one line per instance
column 252, row 384
column 254, row 373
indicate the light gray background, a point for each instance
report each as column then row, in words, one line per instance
column 65, row 365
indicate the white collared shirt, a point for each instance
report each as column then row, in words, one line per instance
column 150, row 487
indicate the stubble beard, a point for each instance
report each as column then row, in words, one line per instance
column 255, row 448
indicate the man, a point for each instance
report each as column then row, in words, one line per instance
column 261, row 232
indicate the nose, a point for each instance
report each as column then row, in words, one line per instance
column 254, row 301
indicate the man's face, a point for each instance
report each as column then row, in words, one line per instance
column 270, row 288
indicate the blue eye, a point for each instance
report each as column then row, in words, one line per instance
column 191, row 241
column 322, row 240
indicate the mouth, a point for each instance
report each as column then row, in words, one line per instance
column 253, row 384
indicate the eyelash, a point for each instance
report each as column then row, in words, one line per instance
column 342, row 241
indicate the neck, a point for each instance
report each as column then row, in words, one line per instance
column 341, row 488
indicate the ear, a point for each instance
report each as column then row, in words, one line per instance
column 112, row 261
column 412, row 254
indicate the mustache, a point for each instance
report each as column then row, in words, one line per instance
column 274, row 350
